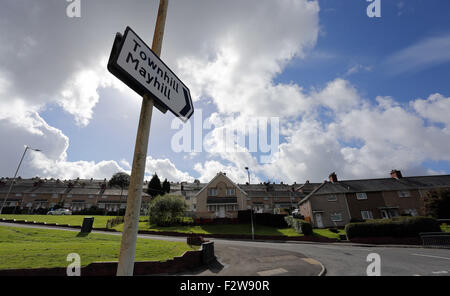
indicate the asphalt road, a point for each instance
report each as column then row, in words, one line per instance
column 339, row 259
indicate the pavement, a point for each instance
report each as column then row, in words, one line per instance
column 238, row 257
column 256, row 261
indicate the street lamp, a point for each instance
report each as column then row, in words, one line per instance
column 251, row 207
column 14, row 179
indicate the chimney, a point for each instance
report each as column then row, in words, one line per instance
column 333, row 177
column 396, row 174
column 307, row 182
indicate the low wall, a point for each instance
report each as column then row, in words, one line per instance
column 189, row 260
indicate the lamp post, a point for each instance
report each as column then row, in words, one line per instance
column 14, row 179
column 251, row 207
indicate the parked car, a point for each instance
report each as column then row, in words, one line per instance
column 60, row 212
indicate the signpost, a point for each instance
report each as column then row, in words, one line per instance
column 140, row 67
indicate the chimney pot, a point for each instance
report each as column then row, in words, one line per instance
column 333, row 177
column 396, row 174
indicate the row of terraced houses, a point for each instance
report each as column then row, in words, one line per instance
column 332, row 203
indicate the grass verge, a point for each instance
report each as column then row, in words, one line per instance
column 38, row 248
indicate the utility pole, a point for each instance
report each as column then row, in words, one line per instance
column 251, row 207
column 15, row 175
column 132, row 214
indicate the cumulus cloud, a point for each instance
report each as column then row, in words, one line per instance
column 166, row 170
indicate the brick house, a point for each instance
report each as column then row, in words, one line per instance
column 335, row 203
column 220, row 198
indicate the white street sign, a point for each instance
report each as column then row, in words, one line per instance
column 133, row 62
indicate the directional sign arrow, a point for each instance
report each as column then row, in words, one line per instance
column 133, row 62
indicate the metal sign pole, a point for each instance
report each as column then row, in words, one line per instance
column 131, row 222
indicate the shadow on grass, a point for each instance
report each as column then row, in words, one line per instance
column 83, row 234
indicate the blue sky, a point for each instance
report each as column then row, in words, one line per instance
column 367, row 53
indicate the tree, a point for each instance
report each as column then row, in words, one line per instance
column 437, row 204
column 166, row 186
column 121, row 180
column 167, row 210
column 154, row 186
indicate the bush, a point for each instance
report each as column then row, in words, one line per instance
column 300, row 226
column 396, row 227
column 167, row 210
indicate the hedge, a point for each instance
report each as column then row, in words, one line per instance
column 301, row 226
column 266, row 219
column 396, row 227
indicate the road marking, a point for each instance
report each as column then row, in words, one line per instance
column 272, row 272
column 439, row 272
column 311, row 261
column 438, row 257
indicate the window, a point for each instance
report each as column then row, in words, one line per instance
column 404, row 194
column 361, row 195
column 18, row 194
column 336, row 217
column 55, row 195
column 412, row 212
column 231, row 192
column 69, row 195
column 266, row 198
column 332, row 197
column 33, row 195
column 366, row 215
column 188, row 198
column 91, row 196
column 212, row 192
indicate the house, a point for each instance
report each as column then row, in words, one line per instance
column 335, row 203
column 38, row 195
column 272, row 198
column 220, row 198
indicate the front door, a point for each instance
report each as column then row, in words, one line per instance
column 319, row 221
column 221, row 211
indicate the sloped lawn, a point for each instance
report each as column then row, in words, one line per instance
column 38, row 248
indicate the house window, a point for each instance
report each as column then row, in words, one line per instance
column 332, row 197
column 266, row 198
column 412, row 212
column 187, row 198
column 69, row 195
column 91, row 196
column 361, row 195
column 366, row 215
column 33, row 195
column 231, row 192
column 18, row 194
column 335, row 217
column 55, row 195
column 404, row 194
column 212, row 192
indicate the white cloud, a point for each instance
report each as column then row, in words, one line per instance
column 424, row 54
column 166, row 169
column 436, row 108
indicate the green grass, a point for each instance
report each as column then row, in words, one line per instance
column 76, row 220
column 219, row 229
column 37, row 248
column 445, row 228
column 327, row 233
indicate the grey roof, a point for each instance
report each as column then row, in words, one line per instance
column 382, row 184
